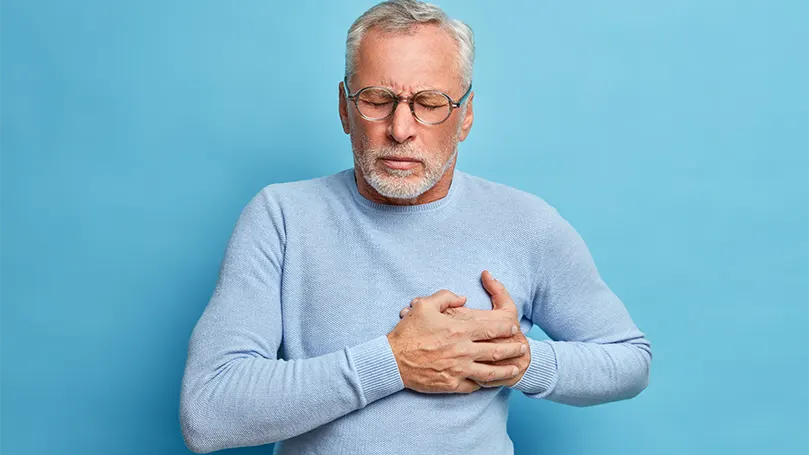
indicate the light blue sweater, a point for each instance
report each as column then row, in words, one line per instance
column 292, row 346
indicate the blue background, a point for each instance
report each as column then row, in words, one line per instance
column 672, row 135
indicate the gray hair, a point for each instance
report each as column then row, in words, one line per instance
column 400, row 16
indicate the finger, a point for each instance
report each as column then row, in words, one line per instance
column 463, row 313
column 500, row 296
column 479, row 316
column 489, row 385
column 404, row 312
column 467, row 386
column 490, row 330
column 492, row 352
column 488, row 373
column 441, row 300
column 447, row 299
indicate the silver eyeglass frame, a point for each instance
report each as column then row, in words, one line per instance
column 396, row 99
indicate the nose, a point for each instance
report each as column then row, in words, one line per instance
column 402, row 123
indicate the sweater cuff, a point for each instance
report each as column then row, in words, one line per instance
column 540, row 377
column 376, row 368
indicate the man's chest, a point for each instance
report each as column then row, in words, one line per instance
column 346, row 289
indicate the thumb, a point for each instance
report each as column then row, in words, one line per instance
column 501, row 300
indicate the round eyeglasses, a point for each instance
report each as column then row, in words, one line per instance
column 430, row 107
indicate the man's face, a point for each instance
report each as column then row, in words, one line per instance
column 425, row 59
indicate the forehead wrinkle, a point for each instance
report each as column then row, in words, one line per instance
column 421, row 59
column 401, row 89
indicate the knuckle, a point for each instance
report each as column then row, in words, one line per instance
column 497, row 354
column 462, row 350
column 442, row 367
column 438, row 344
column 505, row 318
column 491, row 375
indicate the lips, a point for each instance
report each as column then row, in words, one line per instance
column 400, row 163
column 395, row 158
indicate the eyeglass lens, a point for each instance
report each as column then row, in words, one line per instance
column 429, row 106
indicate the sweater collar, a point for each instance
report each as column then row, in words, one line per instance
column 454, row 189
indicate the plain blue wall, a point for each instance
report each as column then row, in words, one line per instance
column 673, row 136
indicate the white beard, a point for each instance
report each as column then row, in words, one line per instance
column 403, row 183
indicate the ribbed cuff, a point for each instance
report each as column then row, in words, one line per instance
column 540, row 377
column 376, row 368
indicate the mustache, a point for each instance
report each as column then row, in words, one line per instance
column 396, row 152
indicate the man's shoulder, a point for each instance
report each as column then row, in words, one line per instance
column 306, row 189
column 282, row 199
column 527, row 215
column 482, row 190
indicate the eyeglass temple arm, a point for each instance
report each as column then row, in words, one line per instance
column 463, row 98
column 345, row 88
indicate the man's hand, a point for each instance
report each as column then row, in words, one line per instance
column 437, row 353
column 501, row 304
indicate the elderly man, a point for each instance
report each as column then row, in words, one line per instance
column 382, row 309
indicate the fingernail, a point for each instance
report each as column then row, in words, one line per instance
column 514, row 371
column 523, row 349
column 514, row 329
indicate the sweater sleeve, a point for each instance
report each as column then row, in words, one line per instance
column 235, row 391
column 595, row 354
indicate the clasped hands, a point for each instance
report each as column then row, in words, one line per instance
column 441, row 346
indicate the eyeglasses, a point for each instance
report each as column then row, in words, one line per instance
column 429, row 107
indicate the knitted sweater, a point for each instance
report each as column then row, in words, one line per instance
column 292, row 345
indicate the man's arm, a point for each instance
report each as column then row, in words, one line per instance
column 595, row 354
column 235, row 392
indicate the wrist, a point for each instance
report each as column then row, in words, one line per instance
column 540, row 377
column 393, row 341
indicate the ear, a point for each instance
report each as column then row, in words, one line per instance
column 343, row 108
column 469, row 117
